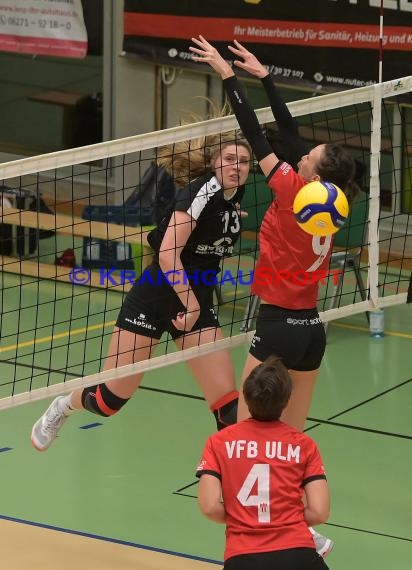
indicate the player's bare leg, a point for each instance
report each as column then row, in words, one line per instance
column 297, row 410
column 214, row 375
column 250, row 364
column 125, row 348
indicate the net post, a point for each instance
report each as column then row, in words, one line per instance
column 374, row 193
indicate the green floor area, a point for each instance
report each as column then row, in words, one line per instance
column 131, row 477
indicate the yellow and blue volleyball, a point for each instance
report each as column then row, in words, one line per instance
column 320, row 208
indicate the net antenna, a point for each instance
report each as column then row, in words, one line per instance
column 380, row 67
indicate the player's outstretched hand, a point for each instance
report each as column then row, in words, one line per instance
column 206, row 53
column 249, row 62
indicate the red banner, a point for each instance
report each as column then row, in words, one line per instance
column 269, row 32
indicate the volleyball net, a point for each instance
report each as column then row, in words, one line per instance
column 65, row 268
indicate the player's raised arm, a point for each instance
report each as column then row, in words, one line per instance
column 205, row 52
column 288, row 127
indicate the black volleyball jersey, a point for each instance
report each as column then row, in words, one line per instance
column 218, row 223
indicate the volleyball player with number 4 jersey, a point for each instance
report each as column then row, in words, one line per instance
column 252, row 478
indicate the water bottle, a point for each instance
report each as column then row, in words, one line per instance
column 376, row 323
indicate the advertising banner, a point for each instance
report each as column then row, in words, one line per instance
column 43, row 27
column 325, row 42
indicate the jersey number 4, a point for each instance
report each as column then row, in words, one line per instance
column 257, row 477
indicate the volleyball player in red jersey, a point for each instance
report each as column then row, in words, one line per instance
column 288, row 323
column 260, row 467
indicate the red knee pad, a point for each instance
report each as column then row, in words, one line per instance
column 101, row 401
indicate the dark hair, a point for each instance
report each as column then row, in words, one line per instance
column 338, row 166
column 267, row 389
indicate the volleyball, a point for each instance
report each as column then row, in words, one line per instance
column 320, row 208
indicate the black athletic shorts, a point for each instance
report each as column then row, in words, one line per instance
column 152, row 303
column 298, row 337
column 289, row 559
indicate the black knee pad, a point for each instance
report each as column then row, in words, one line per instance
column 226, row 414
column 101, row 401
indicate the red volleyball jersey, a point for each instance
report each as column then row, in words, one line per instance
column 291, row 262
column 263, row 468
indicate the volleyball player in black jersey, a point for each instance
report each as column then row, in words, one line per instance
column 175, row 293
